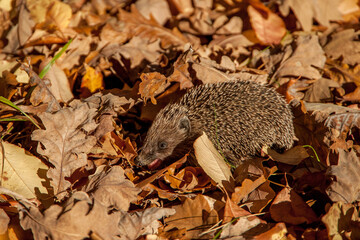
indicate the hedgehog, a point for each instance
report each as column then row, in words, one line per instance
column 239, row 117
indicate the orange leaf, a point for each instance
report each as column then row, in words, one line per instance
column 269, row 27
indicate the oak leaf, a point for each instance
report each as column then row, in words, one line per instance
column 110, row 188
column 65, row 141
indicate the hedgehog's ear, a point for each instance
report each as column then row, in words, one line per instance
column 184, row 124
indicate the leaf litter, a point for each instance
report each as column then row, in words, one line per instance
column 74, row 175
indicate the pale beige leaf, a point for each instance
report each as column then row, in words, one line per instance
column 158, row 9
column 60, row 86
column 21, row 75
column 21, row 171
column 4, row 221
column 346, row 173
column 243, row 224
column 142, row 223
column 66, row 142
column 342, row 221
column 211, row 161
column 6, row 5
column 111, row 189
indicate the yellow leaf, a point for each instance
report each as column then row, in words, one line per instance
column 92, row 80
column 21, row 171
column 50, row 12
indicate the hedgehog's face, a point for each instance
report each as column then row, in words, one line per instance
column 169, row 129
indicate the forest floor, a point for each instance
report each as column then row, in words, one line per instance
column 81, row 82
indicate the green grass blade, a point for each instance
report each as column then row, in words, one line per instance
column 49, row 65
column 11, row 104
column 12, row 120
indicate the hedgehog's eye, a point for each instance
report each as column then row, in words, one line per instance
column 163, row 145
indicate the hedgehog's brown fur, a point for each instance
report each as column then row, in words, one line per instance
column 239, row 117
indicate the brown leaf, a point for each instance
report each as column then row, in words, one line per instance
column 77, row 220
column 161, row 172
column 188, row 179
column 110, row 188
column 323, row 11
column 305, row 61
column 65, row 142
column 344, row 44
column 293, row 156
column 192, row 214
column 320, row 90
column 260, row 197
column 269, row 27
column 139, row 26
column 181, row 72
column 79, row 47
column 342, row 188
column 232, row 210
column 288, row 207
column 152, row 84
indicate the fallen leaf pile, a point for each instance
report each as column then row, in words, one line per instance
column 81, row 81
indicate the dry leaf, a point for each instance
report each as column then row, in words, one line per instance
column 60, row 86
column 306, row 10
column 139, row 26
column 293, row 156
column 65, row 141
column 143, row 223
column 110, row 188
column 152, row 84
column 288, row 207
column 307, row 58
column 91, row 82
column 342, row 221
column 4, row 221
column 344, row 44
column 21, row 172
column 158, row 9
column 211, row 161
column 79, row 219
column 50, row 13
column 342, row 187
column 320, row 90
column 238, row 230
column 269, row 27
column 192, row 214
